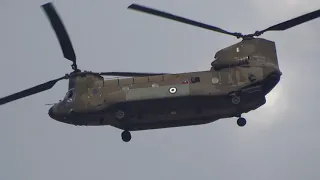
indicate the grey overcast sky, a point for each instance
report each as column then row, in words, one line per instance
column 280, row 141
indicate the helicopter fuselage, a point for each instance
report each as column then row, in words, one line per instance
column 238, row 81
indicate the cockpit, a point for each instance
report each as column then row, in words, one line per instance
column 68, row 108
column 60, row 111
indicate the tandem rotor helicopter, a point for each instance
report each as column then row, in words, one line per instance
column 237, row 82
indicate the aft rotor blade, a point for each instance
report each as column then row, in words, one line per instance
column 293, row 22
column 137, row 74
column 30, row 91
column 179, row 19
column 60, row 31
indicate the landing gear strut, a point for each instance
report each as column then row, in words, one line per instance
column 126, row 136
column 241, row 121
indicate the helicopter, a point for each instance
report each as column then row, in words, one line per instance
column 237, row 82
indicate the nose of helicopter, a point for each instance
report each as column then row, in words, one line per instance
column 57, row 115
column 51, row 113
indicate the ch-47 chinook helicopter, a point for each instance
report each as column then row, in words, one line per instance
column 239, row 79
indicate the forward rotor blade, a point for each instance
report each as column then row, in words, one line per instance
column 137, row 74
column 60, row 31
column 30, row 91
column 180, row 19
column 293, row 22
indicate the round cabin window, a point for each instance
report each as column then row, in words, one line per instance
column 215, row 80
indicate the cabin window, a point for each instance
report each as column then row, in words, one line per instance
column 195, row 79
column 155, row 85
column 215, row 80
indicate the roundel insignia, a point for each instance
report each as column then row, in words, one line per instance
column 173, row 90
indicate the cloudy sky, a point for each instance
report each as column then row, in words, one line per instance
column 280, row 140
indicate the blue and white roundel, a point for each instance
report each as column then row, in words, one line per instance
column 173, row 90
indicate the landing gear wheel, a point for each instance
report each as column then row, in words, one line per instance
column 120, row 114
column 126, row 136
column 241, row 121
column 235, row 99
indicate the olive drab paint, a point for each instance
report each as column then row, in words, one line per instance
column 237, row 82
column 137, row 94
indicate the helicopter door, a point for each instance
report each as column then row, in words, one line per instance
column 243, row 75
column 227, row 76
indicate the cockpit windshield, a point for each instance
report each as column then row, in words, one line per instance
column 70, row 95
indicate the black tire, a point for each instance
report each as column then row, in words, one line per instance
column 126, row 136
column 241, row 122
